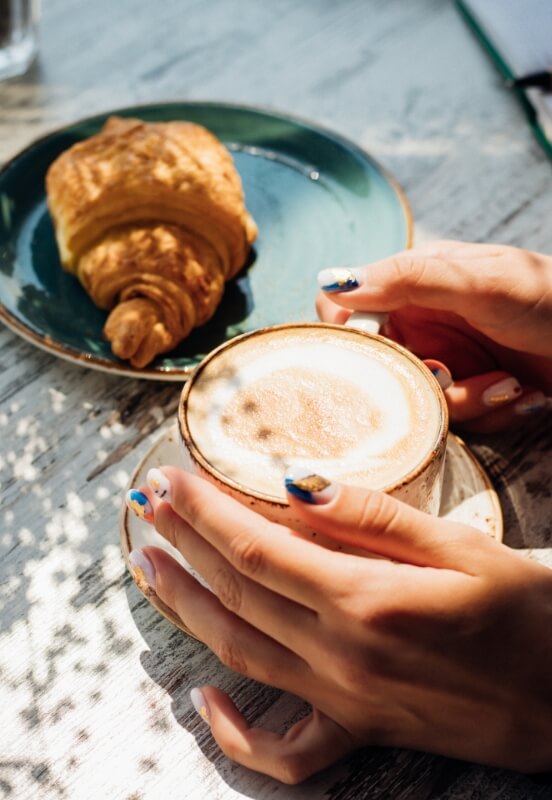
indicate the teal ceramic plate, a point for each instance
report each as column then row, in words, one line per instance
column 318, row 201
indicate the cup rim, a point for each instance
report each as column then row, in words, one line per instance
column 198, row 457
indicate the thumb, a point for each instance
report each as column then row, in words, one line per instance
column 376, row 522
column 308, row 746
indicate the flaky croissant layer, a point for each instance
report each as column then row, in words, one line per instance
column 151, row 218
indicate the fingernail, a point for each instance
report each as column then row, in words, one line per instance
column 530, row 403
column 310, row 488
column 443, row 378
column 159, row 484
column 143, row 570
column 139, row 503
column 337, row 279
column 502, row 392
column 200, row 704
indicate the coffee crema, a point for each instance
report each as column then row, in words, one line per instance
column 332, row 401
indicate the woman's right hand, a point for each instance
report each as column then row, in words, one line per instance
column 441, row 644
column 483, row 310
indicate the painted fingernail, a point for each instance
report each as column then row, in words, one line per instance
column 337, row 279
column 309, row 487
column 443, row 378
column 530, row 403
column 139, row 503
column 143, row 570
column 200, row 704
column 502, row 392
column 159, row 484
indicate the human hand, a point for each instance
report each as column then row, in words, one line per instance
column 484, row 311
column 443, row 645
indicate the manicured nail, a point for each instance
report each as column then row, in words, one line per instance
column 337, row 279
column 502, row 392
column 200, row 704
column 530, row 403
column 139, row 503
column 143, row 570
column 310, row 488
column 159, row 484
column 443, row 378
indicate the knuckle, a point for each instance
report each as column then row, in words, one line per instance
column 227, row 588
column 229, row 654
column 195, row 509
column 165, row 524
column 293, row 769
column 246, row 553
column 377, row 513
column 408, row 270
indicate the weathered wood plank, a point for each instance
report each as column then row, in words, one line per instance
column 94, row 682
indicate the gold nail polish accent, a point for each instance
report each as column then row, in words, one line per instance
column 141, row 582
column 498, row 399
column 312, row 483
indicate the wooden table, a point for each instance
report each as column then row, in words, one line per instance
column 94, row 682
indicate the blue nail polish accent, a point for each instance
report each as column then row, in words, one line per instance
column 301, row 494
column 139, row 503
column 531, row 403
column 310, row 488
column 337, row 279
column 345, row 286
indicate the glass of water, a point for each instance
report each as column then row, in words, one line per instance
column 18, row 35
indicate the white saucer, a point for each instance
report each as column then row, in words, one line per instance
column 468, row 497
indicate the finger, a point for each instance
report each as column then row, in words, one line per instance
column 476, row 396
column 440, row 372
column 308, row 746
column 372, row 520
column 513, row 415
column 487, row 403
column 268, row 553
column 237, row 644
column 438, row 276
column 280, row 618
column 328, row 311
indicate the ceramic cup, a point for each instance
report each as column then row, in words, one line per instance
column 420, row 485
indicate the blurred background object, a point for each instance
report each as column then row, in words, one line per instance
column 18, row 36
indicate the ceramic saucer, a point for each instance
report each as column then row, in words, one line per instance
column 468, row 497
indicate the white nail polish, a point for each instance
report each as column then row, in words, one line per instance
column 159, row 484
column 143, row 570
column 367, row 321
column 443, row 378
column 200, row 704
column 501, row 392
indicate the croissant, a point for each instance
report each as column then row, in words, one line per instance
column 151, row 218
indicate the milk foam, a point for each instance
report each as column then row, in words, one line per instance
column 333, row 402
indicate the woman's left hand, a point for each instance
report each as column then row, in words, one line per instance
column 444, row 645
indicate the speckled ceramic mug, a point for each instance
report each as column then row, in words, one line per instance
column 349, row 405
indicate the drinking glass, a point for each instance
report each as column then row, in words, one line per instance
column 18, row 36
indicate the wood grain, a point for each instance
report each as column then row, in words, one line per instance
column 94, row 682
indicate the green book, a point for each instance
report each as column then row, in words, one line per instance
column 517, row 34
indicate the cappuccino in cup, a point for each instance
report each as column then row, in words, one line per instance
column 350, row 406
